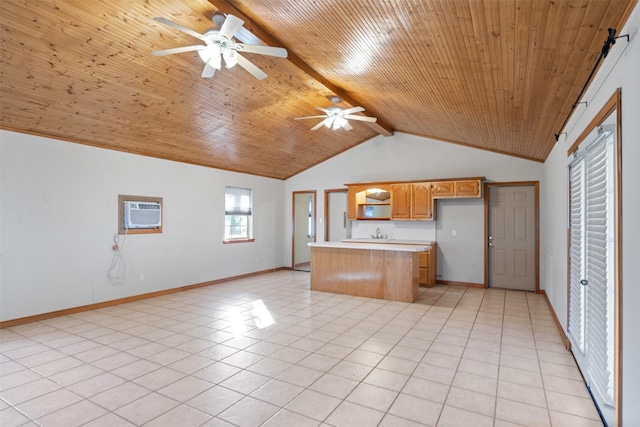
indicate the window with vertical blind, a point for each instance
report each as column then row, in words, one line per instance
column 238, row 218
column 592, row 252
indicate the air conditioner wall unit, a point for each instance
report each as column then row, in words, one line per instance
column 142, row 214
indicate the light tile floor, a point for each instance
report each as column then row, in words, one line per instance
column 212, row 357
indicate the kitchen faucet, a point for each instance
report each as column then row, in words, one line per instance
column 378, row 235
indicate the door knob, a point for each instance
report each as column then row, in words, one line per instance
column 490, row 244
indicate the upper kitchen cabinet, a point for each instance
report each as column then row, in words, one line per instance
column 369, row 201
column 411, row 201
column 443, row 189
column 406, row 200
column 400, row 201
column 421, row 201
column 458, row 189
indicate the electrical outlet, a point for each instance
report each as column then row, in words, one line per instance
column 454, row 232
column 142, row 277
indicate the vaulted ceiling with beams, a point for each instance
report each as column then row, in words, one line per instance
column 499, row 75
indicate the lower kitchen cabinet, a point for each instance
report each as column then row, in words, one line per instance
column 427, row 264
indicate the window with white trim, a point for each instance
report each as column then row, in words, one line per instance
column 238, row 215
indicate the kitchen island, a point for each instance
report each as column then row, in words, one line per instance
column 428, row 261
column 373, row 270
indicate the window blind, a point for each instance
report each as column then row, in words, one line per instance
column 592, row 252
column 599, row 230
column 237, row 201
column 576, row 272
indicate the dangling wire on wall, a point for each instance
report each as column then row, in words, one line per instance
column 611, row 40
column 118, row 269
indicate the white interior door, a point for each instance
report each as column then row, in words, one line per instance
column 512, row 237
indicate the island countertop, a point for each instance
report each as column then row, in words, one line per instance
column 388, row 241
column 353, row 244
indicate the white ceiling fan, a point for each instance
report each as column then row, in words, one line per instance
column 336, row 117
column 220, row 45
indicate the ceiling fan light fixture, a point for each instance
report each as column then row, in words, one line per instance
column 328, row 122
column 216, row 62
column 230, row 57
column 336, row 117
column 211, row 55
column 338, row 123
column 220, row 46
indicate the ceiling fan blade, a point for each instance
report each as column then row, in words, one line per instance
column 361, row 118
column 208, row 71
column 280, row 52
column 250, row 67
column 347, row 126
column 181, row 28
column 318, row 126
column 244, row 35
column 310, row 117
column 176, row 50
column 322, row 109
column 230, row 26
column 352, row 110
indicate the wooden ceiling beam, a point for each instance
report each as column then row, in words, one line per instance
column 379, row 126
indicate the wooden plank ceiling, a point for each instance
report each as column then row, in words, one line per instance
column 499, row 75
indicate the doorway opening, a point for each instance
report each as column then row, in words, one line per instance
column 304, row 228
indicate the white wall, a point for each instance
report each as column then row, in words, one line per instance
column 406, row 157
column 619, row 70
column 58, row 214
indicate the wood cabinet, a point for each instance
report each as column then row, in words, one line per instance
column 411, row 201
column 470, row 188
column 400, row 201
column 427, row 265
column 442, row 189
column 406, row 200
column 371, row 273
column 366, row 201
column 421, row 201
column 459, row 189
